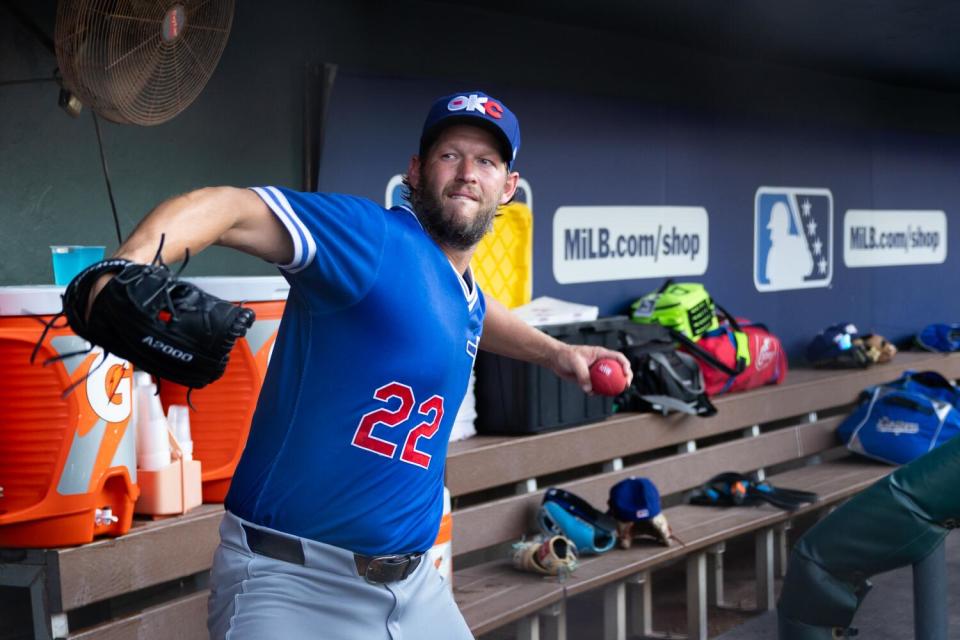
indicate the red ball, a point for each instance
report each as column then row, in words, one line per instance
column 606, row 376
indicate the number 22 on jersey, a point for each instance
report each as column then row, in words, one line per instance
column 431, row 409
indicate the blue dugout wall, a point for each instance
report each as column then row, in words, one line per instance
column 732, row 171
column 609, row 119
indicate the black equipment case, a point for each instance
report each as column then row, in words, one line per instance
column 518, row 398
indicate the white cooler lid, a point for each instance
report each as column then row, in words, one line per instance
column 244, row 288
column 45, row 299
column 29, row 300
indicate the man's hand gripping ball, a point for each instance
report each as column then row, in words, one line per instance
column 607, row 378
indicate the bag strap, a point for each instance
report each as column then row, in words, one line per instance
column 666, row 283
column 900, row 399
column 740, row 338
column 787, row 499
column 706, row 356
column 727, row 316
column 704, row 407
column 931, row 379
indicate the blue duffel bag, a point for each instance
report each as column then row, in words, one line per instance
column 900, row 421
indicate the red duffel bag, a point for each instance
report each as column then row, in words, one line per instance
column 740, row 355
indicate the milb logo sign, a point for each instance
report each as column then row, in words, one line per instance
column 792, row 238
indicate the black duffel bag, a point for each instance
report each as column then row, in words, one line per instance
column 664, row 379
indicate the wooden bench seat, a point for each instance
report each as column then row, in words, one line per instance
column 784, row 426
column 152, row 553
column 497, row 483
column 493, row 594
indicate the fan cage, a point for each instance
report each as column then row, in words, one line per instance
column 136, row 61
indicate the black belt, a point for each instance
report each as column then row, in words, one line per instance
column 377, row 569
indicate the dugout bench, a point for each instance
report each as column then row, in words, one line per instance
column 786, row 430
column 152, row 582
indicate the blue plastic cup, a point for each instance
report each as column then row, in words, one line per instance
column 71, row 259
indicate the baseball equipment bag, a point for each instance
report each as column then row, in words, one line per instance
column 664, row 379
column 163, row 325
column 685, row 307
column 900, row 421
column 734, row 489
column 738, row 356
column 939, row 337
column 928, row 383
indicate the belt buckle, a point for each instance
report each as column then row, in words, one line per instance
column 390, row 568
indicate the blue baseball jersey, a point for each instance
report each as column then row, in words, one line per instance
column 379, row 333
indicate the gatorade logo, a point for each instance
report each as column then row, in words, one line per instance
column 109, row 388
column 473, row 102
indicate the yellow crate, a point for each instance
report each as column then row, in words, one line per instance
column 503, row 261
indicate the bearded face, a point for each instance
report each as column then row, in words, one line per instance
column 456, row 188
column 447, row 225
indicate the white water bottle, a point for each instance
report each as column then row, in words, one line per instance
column 153, row 443
column 178, row 416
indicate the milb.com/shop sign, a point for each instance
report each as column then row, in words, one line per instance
column 873, row 238
column 596, row 244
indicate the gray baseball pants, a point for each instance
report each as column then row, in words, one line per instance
column 253, row 596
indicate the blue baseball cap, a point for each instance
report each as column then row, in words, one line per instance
column 474, row 108
column 940, row 336
column 634, row 499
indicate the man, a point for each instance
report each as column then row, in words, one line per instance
column 788, row 260
column 339, row 490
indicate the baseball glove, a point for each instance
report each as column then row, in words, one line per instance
column 163, row 325
column 656, row 528
column 550, row 556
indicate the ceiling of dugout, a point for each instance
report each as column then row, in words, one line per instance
column 911, row 43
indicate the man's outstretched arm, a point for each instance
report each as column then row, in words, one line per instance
column 226, row 216
column 507, row 335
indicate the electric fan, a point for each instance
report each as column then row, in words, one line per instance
column 137, row 61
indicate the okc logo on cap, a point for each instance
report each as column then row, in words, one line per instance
column 474, row 108
column 473, row 102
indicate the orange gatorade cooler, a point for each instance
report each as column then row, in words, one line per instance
column 67, row 464
column 220, row 419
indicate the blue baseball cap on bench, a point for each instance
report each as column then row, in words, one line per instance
column 478, row 109
column 634, row 499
